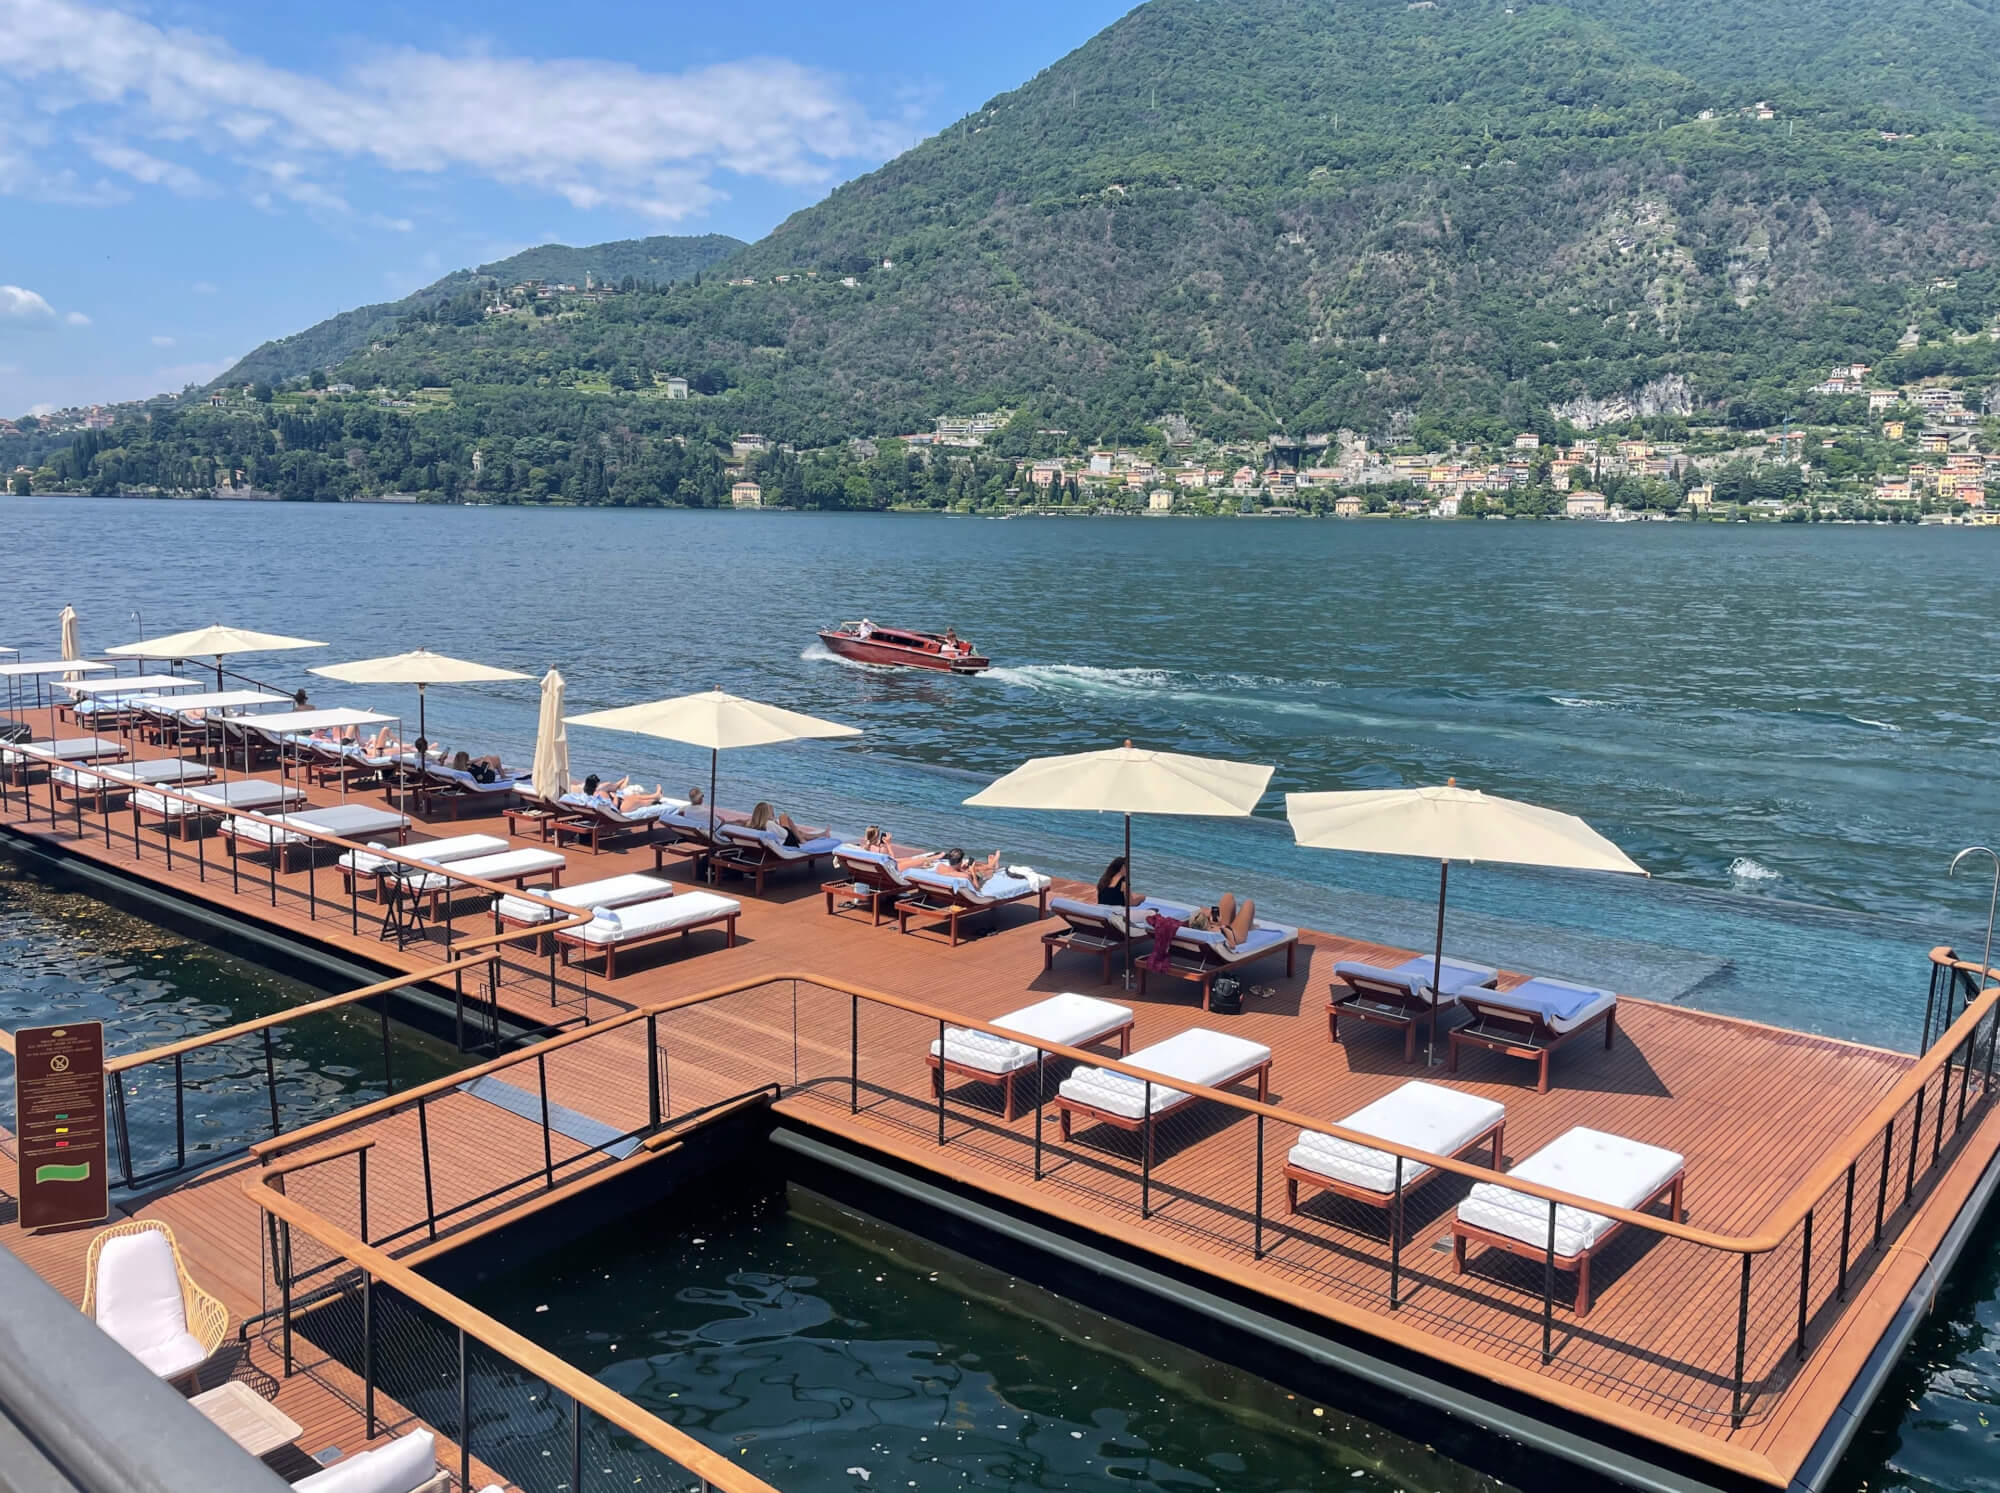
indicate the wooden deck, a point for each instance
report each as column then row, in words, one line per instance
column 1752, row 1108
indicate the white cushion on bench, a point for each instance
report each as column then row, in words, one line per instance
column 612, row 891
column 434, row 852
column 644, row 919
column 1590, row 1163
column 504, row 866
column 1422, row 1116
column 139, row 1303
column 349, row 821
column 1068, row 1020
column 406, row 1463
column 1197, row 1056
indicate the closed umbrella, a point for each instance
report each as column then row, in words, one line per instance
column 69, row 647
column 551, row 741
column 216, row 642
column 716, row 720
column 1446, row 824
column 1128, row 780
column 420, row 667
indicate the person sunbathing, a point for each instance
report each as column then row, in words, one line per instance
column 765, row 818
column 879, row 841
column 619, row 797
column 479, row 769
column 1232, row 919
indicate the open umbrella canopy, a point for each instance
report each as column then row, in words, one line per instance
column 420, row 666
column 551, row 741
column 1450, row 823
column 210, row 642
column 1129, row 780
column 713, row 719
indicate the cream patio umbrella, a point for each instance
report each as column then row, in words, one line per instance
column 1128, row 780
column 1449, row 824
column 551, row 741
column 420, row 667
column 718, row 721
column 67, row 619
column 216, row 642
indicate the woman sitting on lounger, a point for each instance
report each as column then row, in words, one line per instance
column 1114, row 887
column 479, row 769
column 763, row 817
column 879, row 841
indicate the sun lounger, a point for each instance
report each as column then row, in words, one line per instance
column 756, row 853
column 939, row 897
column 122, row 777
column 869, row 878
column 253, row 795
column 1420, row 1116
column 1589, row 1163
column 1094, row 928
column 19, row 765
column 1201, row 954
column 360, row 865
column 696, row 836
column 348, row 821
column 594, row 823
column 1065, row 1020
column 437, row 786
column 507, row 867
column 586, row 896
column 1533, row 1019
column 1196, row 1056
column 1400, row 997
column 616, row 928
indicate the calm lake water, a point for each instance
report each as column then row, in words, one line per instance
column 1790, row 727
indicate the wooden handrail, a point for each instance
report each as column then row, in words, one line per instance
column 674, row 1444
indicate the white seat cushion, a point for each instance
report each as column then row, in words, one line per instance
column 1196, row 1056
column 1068, row 1020
column 1422, row 1116
column 1003, row 885
column 773, row 840
column 405, row 1463
column 138, row 1302
column 642, row 919
column 1590, row 1163
column 612, row 891
column 507, row 864
column 436, row 853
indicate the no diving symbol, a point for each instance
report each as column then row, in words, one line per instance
column 59, row 1064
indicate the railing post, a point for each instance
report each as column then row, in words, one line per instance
column 1882, row 1188
column 1257, row 1234
column 353, row 891
column 284, row 1267
column 1041, row 1056
column 271, row 1078
column 124, row 1124
column 575, row 1445
column 464, row 1417
column 652, row 1068
column 180, row 1114
column 1805, row 1282
column 368, row 1351
column 1930, row 1003
column 458, row 1009
column 424, row 1144
column 854, row 1056
column 795, row 1037
column 1944, row 1103
column 312, row 881
column 1965, row 1075
column 548, row 1147
column 1549, row 1290
column 940, row 1086
column 1846, row 1232
column 1396, row 1240
column 1146, row 1159
column 1742, row 1342
column 362, row 1157
column 1916, row 1144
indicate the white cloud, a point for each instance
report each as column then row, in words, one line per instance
column 18, row 304
column 596, row 133
column 76, row 319
column 163, row 342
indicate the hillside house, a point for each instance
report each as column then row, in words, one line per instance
column 1159, row 502
column 677, row 388
column 1527, row 440
column 1347, row 506
column 1584, row 504
column 747, row 495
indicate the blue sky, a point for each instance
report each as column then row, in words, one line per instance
column 179, row 182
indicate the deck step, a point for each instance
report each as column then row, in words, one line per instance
column 563, row 1120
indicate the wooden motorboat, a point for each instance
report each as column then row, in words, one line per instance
column 866, row 643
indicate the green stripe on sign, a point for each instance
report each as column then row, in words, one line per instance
column 59, row 1173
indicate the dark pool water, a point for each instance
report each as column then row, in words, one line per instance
column 825, row 1349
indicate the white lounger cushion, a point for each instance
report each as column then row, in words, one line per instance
column 506, row 865
column 773, row 840
column 69, row 749
column 1422, row 1116
column 855, row 855
column 243, row 793
column 1003, row 885
column 1067, row 1020
column 1589, row 1163
column 153, row 770
column 436, row 853
column 612, row 891
column 1600, row 1001
column 346, row 820
column 406, row 1463
column 139, row 1303
column 1124, row 919
column 641, row 919
column 1262, row 938
column 1197, row 1056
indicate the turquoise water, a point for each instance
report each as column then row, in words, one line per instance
column 1791, row 727
column 826, row 1350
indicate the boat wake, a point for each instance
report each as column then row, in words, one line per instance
column 1746, row 872
column 819, row 653
column 1083, row 678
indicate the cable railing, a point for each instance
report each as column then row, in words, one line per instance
column 135, row 1081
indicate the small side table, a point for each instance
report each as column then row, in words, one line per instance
column 247, row 1418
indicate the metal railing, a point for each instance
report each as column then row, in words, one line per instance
column 131, row 1078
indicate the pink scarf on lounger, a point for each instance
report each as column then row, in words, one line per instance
column 1164, row 929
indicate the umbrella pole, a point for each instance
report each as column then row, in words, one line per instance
column 1128, row 901
column 1437, row 967
column 713, row 753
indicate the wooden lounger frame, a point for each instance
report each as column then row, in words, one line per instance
column 1494, row 1135
column 863, row 884
column 570, row 942
column 1067, row 1108
column 586, row 824
column 1383, row 1003
column 1204, row 969
column 390, row 882
column 941, row 1066
column 1522, row 1034
column 1463, row 1233
column 759, row 861
column 306, row 841
column 938, row 905
column 1096, row 935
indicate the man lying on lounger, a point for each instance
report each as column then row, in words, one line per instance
column 619, row 797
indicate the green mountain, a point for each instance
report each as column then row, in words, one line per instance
column 1448, row 219
column 650, row 260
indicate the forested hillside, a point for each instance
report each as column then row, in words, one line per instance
column 1453, row 217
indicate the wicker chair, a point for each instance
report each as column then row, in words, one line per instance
column 207, row 1320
